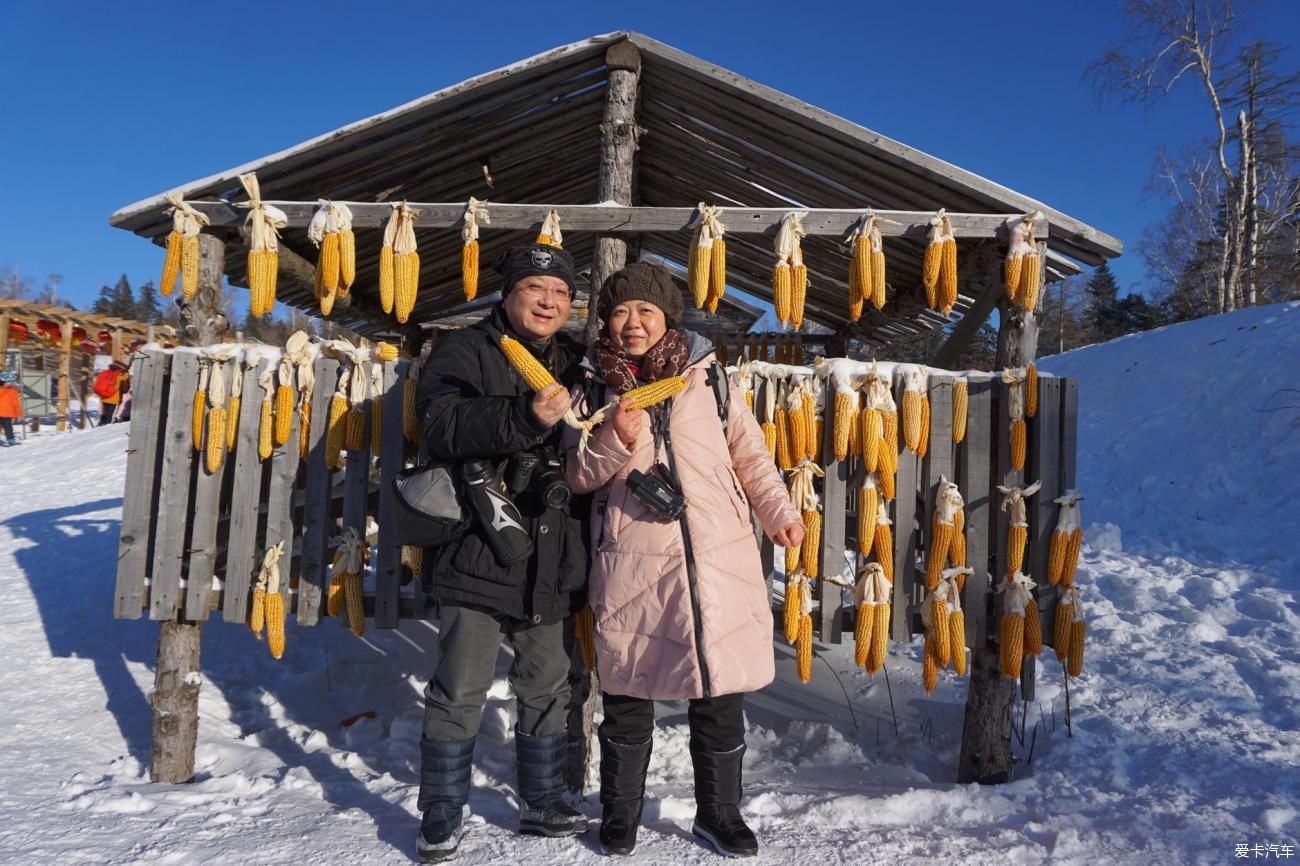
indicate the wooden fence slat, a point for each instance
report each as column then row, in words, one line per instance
column 1069, row 432
column 284, row 463
column 388, row 561
column 903, row 606
column 316, row 505
column 203, row 538
column 981, row 504
column 356, row 483
column 242, row 557
column 174, row 488
column 831, row 556
column 1043, row 465
column 149, row 374
column 939, row 452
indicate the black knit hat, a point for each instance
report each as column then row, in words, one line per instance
column 526, row 260
column 643, row 282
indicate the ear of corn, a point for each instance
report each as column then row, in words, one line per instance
column 784, row 458
column 930, row 266
column 797, row 435
column 196, row 418
column 232, row 421
column 809, row 426
column 929, row 664
column 1061, row 623
column 803, row 648
column 923, row 444
column 469, row 269
column 947, row 294
column 1031, row 391
column 769, row 437
column 790, row 609
column 304, row 430
column 355, row 429
column 938, row 556
column 1017, row 538
column 347, row 260
column 811, row 547
column 868, row 506
column 792, row 557
column 356, row 605
column 329, row 265
column 1078, row 631
column 1033, row 629
column 257, row 612
column 216, row 444
column 855, row 427
column 284, row 409
column 1011, row 634
column 336, row 432
column 957, row 641
column 1030, row 276
column 864, row 620
column 1011, row 274
column 816, row 441
column 171, row 264
column 939, row 631
column 655, row 393
column 879, row 638
column 873, row 428
column 584, row 630
column 406, row 274
column 887, row 469
column 535, row 374
column 717, row 274
column 798, row 294
column 781, row 291
column 842, row 419
column 878, row 279
column 1019, row 444
column 265, row 431
column 960, row 408
column 697, row 270
column 884, row 549
column 275, row 624
column 912, row 419
column 957, row 548
column 1072, row 557
column 1056, row 556
column 387, row 278
column 889, row 420
column 262, row 267
column 189, row 266
column 334, row 594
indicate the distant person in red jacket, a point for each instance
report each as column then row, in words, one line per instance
column 11, row 406
column 111, row 385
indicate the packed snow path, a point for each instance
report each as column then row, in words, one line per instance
column 1185, row 737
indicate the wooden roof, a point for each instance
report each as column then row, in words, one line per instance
column 530, row 133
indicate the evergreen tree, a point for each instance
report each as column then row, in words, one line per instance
column 123, row 304
column 104, row 303
column 1103, row 318
column 146, row 309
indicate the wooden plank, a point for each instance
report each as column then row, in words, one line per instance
column 283, row 470
column 65, row 369
column 831, row 556
column 617, row 219
column 388, row 561
column 939, row 452
column 173, row 503
column 242, row 554
column 207, row 507
column 356, row 483
column 1042, row 465
column 981, row 505
column 905, row 518
column 149, row 408
column 316, row 506
column 1069, row 432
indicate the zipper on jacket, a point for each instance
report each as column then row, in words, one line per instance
column 691, row 581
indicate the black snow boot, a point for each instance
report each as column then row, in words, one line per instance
column 444, row 789
column 539, row 762
column 717, row 802
column 622, row 793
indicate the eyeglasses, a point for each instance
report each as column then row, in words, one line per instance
column 535, row 291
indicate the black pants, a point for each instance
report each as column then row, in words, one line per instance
column 8, row 425
column 106, row 411
column 717, row 724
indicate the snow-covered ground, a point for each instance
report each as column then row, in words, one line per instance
column 1185, row 745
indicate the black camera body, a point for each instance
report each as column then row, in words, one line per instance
column 542, row 472
column 656, row 492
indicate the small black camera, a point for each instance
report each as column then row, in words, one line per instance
column 541, row 472
column 656, row 492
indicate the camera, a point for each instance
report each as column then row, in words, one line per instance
column 542, row 473
column 656, row 492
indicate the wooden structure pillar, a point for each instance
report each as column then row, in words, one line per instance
column 4, row 339
column 618, row 143
column 175, row 698
column 65, row 369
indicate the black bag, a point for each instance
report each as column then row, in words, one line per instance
column 427, row 507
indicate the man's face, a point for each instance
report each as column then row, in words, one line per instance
column 538, row 306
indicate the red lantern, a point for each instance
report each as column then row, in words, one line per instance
column 18, row 332
column 49, row 330
column 105, row 336
column 90, row 347
column 78, row 334
column 136, row 345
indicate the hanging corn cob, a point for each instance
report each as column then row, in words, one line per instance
column 878, row 416
column 947, row 288
column 410, row 420
column 266, row 420
column 268, row 601
column 200, row 409
column 796, row 422
column 789, row 269
column 859, row 272
column 1017, row 589
column 215, row 452
column 934, row 616
column 262, row 226
column 798, row 285
column 923, row 447
column 1017, row 250
column 1015, row 378
column 876, row 590
column 1013, row 501
column 796, row 584
column 1031, row 390
column 285, row 398
column 232, row 405
column 883, row 547
column 812, row 430
column 784, row 455
column 1033, row 628
column 1030, row 275
column 844, row 416
column 914, row 379
column 358, row 390
column 947, row 505
column 406, row 262
column 768, row 424
column 584, row 630
column 1062, row 619
column 476, row 214
column 706, row 271
column 864, row 602
column 336, row 424
column 300, row 349
column 939, row 267
column 950, row 584
column 1070, row 632
column 877, row 296
column 803, row 495
column 868, row 510
column 387, row 266
column 182, row 248
column 960, row 409
column 323, row 231
column 957, row 549
column 345, row 586
column 550, row 233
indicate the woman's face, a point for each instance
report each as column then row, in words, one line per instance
column 635, row 326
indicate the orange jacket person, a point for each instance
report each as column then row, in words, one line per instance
column 11, row 406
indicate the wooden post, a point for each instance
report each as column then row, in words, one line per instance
column 4, row 339
column 65, row 369
column 175, row 698
column 618, row 138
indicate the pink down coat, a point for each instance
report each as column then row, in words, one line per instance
column 646, row 628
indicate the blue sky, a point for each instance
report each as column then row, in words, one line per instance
column 105, row 104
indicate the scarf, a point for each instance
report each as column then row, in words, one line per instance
column 665, row 359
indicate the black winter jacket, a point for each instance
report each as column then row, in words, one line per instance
column 474, row 405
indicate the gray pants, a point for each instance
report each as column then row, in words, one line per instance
column 468, row 641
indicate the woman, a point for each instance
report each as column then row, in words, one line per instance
column 681, row 606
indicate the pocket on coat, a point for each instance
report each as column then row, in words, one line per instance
column 731, row 485
column 474, row 558
column 574, row 562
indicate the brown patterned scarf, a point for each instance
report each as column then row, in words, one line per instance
column 665, row 359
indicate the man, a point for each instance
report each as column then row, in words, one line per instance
column 477, row 412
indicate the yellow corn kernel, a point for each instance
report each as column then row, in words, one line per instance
column 1078, row 631
column 888, row 473
column 939, row 543
column 469, row 269
column 584, row 629
column 873, row 428
column 334, row 593
column 406, row 272
column 889, row 420
column 189, row 266
column 262, row 267
column 386, row 351
column 930, row 270
column 376, row 426
column 697, row 272
column 284, row 400
column 798, row 294
column 216, row 446
column 790, row 609
column 1018, row 444
column 196, row 418
column 414, row 560
column 535, row 375
column 356, row 603
column 960, row 408
column 1031, row 391
column 171, row 264
column 912, row 419
column 1033, row 629
column 948, row 277
column 939, row 631
column 275, row 623
column 336, row 432
column 860, row 285
column 304, row 431
column 879, row 638
column 1072, row 557
column 868, row 507
column 929, row 664
column 769, row 436
column 410, row 423
column 803, row 648
column 329, row 263
column 1061, row 630
column 923, row 445
column 809, row 406
column 855, row 428
column 884, row 549
column 784, row 459
column 1030, row 277
column 354, row 432
column 781, row 291
column 257, row 612
column 387, row 278
column 1017, row 537
column 1056, row 556
column 265, row 431
column 717, row 273
column 792, row 556
column 957, row 549
column 863, row 622
column 957, row 641
column 1011, row 275
column 878, row 279
column 815, row 446
column 843, row 418
column 797, row 433
column 811, row 547
column 232, row 421
column 655, row 393
column 347, row 260
column 1011, row 633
